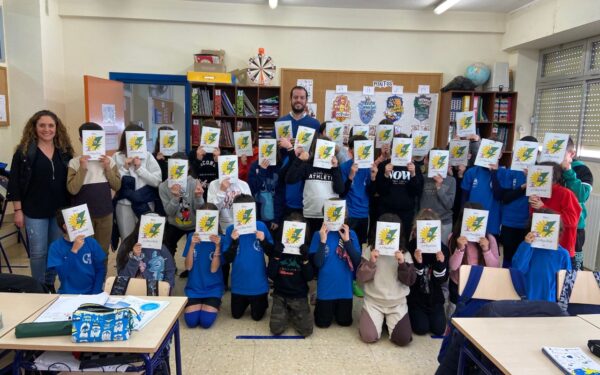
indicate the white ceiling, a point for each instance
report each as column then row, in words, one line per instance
column 495, row 6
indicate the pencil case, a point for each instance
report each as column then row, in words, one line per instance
column 44, row 329
column 96, row 323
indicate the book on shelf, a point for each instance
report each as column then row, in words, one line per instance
column 502, row 109
column 218, row 103
column 466, row 103
column 269, row 107
column 265, row 131
column 243, row 125
column 239, row 103
column 500, row 134
column 195, row 132
column 195, row 101
column 455, row 106
column 227, row 106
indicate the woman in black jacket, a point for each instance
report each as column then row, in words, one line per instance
column 38, row 186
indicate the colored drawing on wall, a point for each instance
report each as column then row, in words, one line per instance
column 394, row 108
column 341, row 108
column 422, row 104
column 366, row 109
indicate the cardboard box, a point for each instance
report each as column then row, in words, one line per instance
column 206, row 66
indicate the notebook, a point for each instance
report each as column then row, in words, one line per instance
column 572, row 360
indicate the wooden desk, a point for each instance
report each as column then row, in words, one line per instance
column 17, row 307
column 145, row 342
column 593, row 319
column 514, row 345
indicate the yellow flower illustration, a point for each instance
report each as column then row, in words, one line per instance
column 151, row 230
column 244, row 216
column 474, row 223
column 387, row 236
column 334, row 213
column 539, row 178
column 228, row 167
column 545, row 228
column 439, row 161
column 363, row 152
column 284, row 131
column 136, row 143
column 93, row 143
column 401, row 149
column 303, row 137
column 168, row 141
column 465, row 122
column 209, row 137
column 554, row 145
column 489, row 151
column 525, row 153
column 334, row 132
column 243, row 142
column 292, row 236
column 267, row 149
column 77, row 220
column 206, row 223
column 428, row 234
column 176, row 172
column 421, row 141
column 385, row 134
column 458, row 151
column 325, row 152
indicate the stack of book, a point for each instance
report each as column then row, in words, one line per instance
column 502, row 109
column 455, row 106
column 244, row 106
column 501, row 134
column 243, row 126
column 226, row 138
column 269, row 107
column 226, row 104
column 265, row 131
column 201, row 103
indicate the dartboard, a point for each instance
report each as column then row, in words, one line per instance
column 261, row 69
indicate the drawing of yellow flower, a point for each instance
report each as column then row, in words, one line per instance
column 363, row 152
column 458, row 151
column 93, row 143
column 267, row 149
column 292, row 236
column 387, row 236
column 136, row 143
column 334, row 213
column 77, row 220
column 428, row 233
column 325, row 152
column 151, row 230
column 554, row 145
column 474, row 223
column 539, row 178
column 525, row 153
column 244, row 216
column 439, row 161
column 209, row 137
column 545, row 228
column 401, row 149
column 206, row 223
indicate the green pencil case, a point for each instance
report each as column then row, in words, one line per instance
column 44, row 329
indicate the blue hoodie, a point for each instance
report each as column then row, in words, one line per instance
column 477, row 184
column 515, row 214
column 270, row 183
column 81, row 273
column 357, row 190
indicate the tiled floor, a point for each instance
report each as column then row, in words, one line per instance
column 336, row 350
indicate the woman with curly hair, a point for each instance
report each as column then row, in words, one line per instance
column 38, row 186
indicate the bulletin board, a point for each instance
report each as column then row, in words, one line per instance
column 324, row 80
column 4, row 115
column 104, row 105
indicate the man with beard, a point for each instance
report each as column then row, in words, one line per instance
column 298, row 116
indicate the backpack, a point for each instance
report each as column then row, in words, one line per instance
column 565, row 295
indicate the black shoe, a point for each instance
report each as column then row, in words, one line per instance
column 184, row 274
column 51, row 288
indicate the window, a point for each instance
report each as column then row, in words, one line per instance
column 568, row 94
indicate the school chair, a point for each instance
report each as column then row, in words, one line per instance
column 17, row 231
column 495, row 284
column 137, row 287
column 578, row 292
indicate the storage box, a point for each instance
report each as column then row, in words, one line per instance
column 209, row 60
column 209, row 77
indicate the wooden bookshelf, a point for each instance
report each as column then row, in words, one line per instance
column 495, row 116
column 203, row 108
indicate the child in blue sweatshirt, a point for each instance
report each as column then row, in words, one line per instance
column 205, row 286
column 539, row 266
column 246, row 253
column 79, row 264
column 477, row 187
column 336, row 254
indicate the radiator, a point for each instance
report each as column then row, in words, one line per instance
column 591, row 260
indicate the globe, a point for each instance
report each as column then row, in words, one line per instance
column 479, row 73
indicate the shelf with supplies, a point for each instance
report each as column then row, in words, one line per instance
column 235, row 108
column 495, row 116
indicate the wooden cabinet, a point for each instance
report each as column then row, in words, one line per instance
column 236, row 108
column 495, row 117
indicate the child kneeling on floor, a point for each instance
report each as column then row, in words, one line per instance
column 386, row 281
column 290, row 274
column 336, row 254
column 205, row 286
column 80, row 264
column 246, row 253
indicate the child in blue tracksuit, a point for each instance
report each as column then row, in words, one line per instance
column 358, row 188
column 337, row 255
column 79, row 264
column 509, row 188
column 205, row 286
column 477, row 187
column 246, row 253
column 539, row 266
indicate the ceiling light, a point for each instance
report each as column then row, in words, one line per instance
column 272, row 4
column 444, row 6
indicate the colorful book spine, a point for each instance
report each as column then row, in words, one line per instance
column 239, row 103
column 466, row 103
column 218, row 105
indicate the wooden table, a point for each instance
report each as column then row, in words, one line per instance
column 593, row 319
column 17, row 307
column 514, row 345
column 151, row 339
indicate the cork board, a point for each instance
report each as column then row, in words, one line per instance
column 5, row 118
